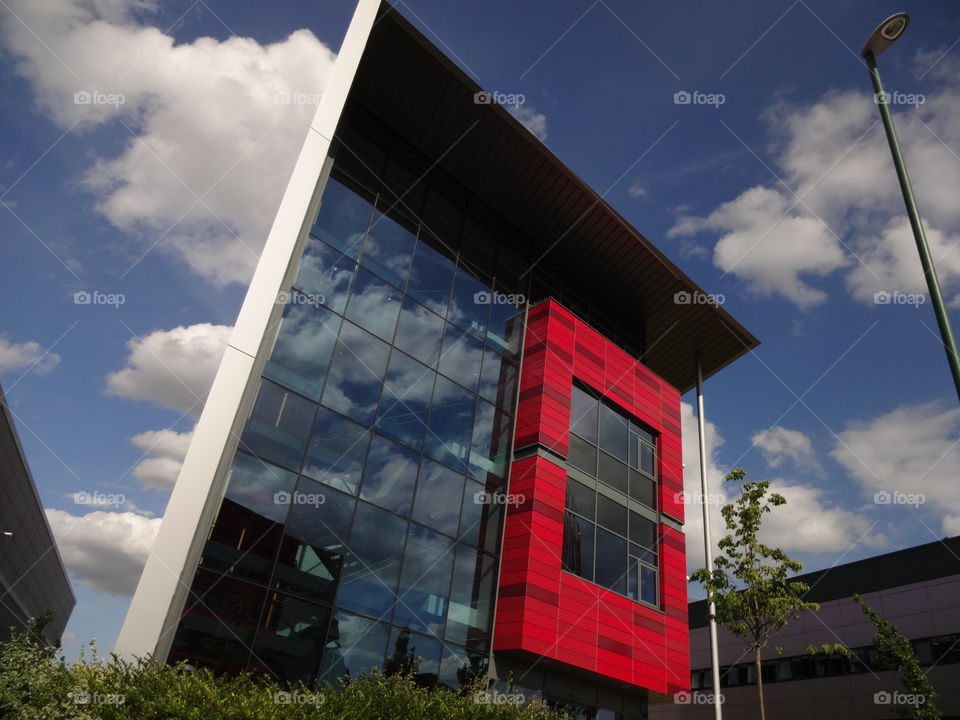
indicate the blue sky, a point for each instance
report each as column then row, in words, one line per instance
column 782, row 199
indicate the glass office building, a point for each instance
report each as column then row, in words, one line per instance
column 440, row 439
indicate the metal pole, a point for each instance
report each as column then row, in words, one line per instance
column 929, row 270
column 707, row 550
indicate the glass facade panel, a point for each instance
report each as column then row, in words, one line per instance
column 425, row 583
column 611, row 515
column 325, row 276
column 584, row 414
column 582, row 455
column 372, row 567
column 388, row 248
column 336, row 451
column 613, row 433
column 278, row 426
column 356, row 375
column 406, row 400
column 291, row 639
column 451, row 424
column 469, row 304
column 354, row 645
column 419, row 332
column 437, row 504
column 374, row 305
column 611, row 569
column 612, row 472
column 471, row 598
column 343, row 219
column 578, row 541
column 390, row 476
column 461, row 358
column 431, row 277
column 304, row 345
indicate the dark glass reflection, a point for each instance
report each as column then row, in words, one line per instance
column 500, row 331
column 354, row 645
column 578, row 545
column 372, row 566
column 611, row 569
column 497, row 377
column 406, row 400
column 389, row 245
column 304, row 344
column 431, row 276
column 278, row 426
column 390, row 476
column 291, row 639
column 461, row 357
column 580, row 498
column 471, row 598
column 451, row 424
column 491, row 438
column 336, row 451
column 612, row 472
column 469, row 304
column 437, row 502
column 425, row 584
column 419, row 332
column 356, row 374
column 582, row 455
column 412, row 652
column 343, row 219
column 584, row 409
column 374, row 305
column 611, row 515
column 613, row 433
column 642, row 531
column 314, row 543
column 643, row 489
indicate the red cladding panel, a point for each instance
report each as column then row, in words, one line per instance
column 541, row 608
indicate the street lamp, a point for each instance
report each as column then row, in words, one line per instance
column 883, row 37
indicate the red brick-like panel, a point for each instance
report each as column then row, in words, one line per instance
column 541, row 608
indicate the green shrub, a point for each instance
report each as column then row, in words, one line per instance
column 36, row 685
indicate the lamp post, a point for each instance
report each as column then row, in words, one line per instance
column 883, row 37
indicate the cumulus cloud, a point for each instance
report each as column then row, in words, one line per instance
column 913, row 450
column 104, row 551
column 533, row 121
column 165, row 451
column 693, row 514
column 214, row 126
column 18, row 356
column 172, row 368
column 778, row 444
column 839, row 206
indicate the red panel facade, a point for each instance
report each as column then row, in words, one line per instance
column 541, row 608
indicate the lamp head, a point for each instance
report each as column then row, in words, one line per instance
column 886, row 34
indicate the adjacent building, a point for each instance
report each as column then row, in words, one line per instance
column 917, row 589
column 33, row 581
column 447, row 424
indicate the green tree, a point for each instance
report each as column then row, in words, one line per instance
column 749, row 584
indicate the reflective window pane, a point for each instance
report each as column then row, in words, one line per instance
column 356, row 374
column 613, row 433
column 471, row 598
column 416, row 653
column 406, row 400
column 390, row 476
column 372, row 565
column 354, row 645
column 479, row 243
column 611, row 571
column 643, row 489
column 314, row 543
column 441, row 216
column 648, row 585
column 451, row 424
column 374, row 305
column 325, row 275
column 343, row 219
column 613, row 472
column 611, row 515
column 461, row 357
column 439, row 493
column 643, row 531
column 248, row 528
column 503, row 323
column 469, row 304
column 472, row 513
column 647, row 459
column 578, row 539
column 388, row 248
column 291, row 639
column 336, row 452
column 460, row 669
column 582, row 455
column 419, row 332
column 425, row 583
column 584, row 409
column 278, row 426
column 431, row 276
column 302, row 351
column 497, row 377
column 581, row 499
column 490, row 442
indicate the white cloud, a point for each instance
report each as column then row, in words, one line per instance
column 104, row 551
column 172, row 368
column 17, row 356
column 204, row 116
column 778, row 443
column 166, row 450
column 636, row 190
column 533, row 121
column 914, row 449
column 693, row 513
column 839, row 204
